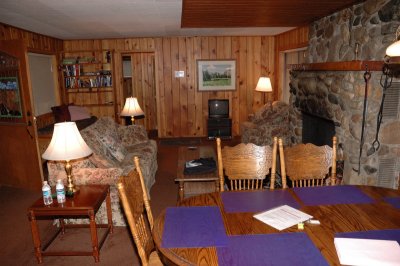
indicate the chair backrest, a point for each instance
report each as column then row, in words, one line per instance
column 132, row 197
column 146, row 196
column 308, row 165
column 246, row 165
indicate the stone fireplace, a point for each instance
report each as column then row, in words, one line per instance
column 317, row 130
column 361, row 32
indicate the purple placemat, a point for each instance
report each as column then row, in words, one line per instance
column 193, row 227
column 272, row 249
column 388, row 234
column 256, row 201
column 395, row 202
column 331, row 195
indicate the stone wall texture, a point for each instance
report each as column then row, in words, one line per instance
column 361, row 32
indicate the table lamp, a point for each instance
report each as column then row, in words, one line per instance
column 67, row 144
column 132, row 108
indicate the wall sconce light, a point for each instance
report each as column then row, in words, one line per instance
column 394, row 49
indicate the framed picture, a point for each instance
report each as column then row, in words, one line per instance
column 10, row 98
column 216, row 75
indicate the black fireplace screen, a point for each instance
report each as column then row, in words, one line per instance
column 317, row 130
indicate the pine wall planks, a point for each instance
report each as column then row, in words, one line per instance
column 184, row 109
column 181, row 110
column 34, row 42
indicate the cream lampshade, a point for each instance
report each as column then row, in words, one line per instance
column 394, row 49
column 67, row 144
column 132, row 108
column 264, row 85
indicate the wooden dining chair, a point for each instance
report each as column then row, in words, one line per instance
column 146, row 197
column 308, row 165
column 138, row 214
column 246, row 165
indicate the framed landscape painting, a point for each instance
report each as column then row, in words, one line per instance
column 215, row 75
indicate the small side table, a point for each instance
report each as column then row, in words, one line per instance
column 86, row 202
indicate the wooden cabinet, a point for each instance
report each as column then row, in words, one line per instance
column 88, row 80
column 219, row 127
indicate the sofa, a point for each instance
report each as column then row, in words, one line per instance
column 271, row 120
column 114, row 147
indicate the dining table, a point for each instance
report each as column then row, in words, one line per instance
column 219, row 228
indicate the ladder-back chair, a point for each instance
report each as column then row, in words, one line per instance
column 246, row 165
column 138, row 214
column 308, row 165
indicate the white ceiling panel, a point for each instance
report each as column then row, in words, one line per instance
column 94, row 19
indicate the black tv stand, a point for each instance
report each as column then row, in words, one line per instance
column 219, row 127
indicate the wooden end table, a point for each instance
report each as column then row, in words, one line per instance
column 191, row 185
column 86, row 202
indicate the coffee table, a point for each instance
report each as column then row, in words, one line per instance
column 191, row 185
column 86, row 202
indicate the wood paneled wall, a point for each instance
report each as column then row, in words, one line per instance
column 296, row 38
column 34, row 42
column 182, row 110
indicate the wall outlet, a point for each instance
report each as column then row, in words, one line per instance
column 179, row 74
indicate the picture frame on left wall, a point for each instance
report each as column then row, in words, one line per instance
column 216, row 75
column 10, row 98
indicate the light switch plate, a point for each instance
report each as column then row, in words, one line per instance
column 179, row 74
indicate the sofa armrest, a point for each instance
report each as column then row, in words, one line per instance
column 84, row 176
column 133, row 134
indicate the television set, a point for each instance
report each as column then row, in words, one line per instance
column 218, row 108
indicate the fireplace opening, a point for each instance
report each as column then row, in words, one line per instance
column 317, row 130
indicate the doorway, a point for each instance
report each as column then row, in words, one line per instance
column 290, row 57
column 139, row 81
column 44, row 82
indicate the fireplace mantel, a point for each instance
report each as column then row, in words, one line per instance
column 355, row 65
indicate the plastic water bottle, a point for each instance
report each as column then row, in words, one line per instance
column 60, row 191
column 47, row 199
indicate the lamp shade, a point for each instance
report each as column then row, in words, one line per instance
column 393, row 49
column 264, row 84
column 132, row 108
column 66, row 143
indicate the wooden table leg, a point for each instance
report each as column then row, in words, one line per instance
column 109, row 212
column 181, row 191
column 35, row 236
column 93, row 231
column 217, row 188
column 62, row 224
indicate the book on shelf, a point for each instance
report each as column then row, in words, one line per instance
column 72, row 70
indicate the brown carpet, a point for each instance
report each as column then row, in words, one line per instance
column 16, row 246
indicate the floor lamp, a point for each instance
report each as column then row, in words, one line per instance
column 264, row 85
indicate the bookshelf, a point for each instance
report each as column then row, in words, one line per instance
column 88, row 80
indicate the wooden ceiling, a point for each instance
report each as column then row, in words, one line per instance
column 257, row 13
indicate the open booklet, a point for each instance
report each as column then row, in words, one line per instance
column 282, row 217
